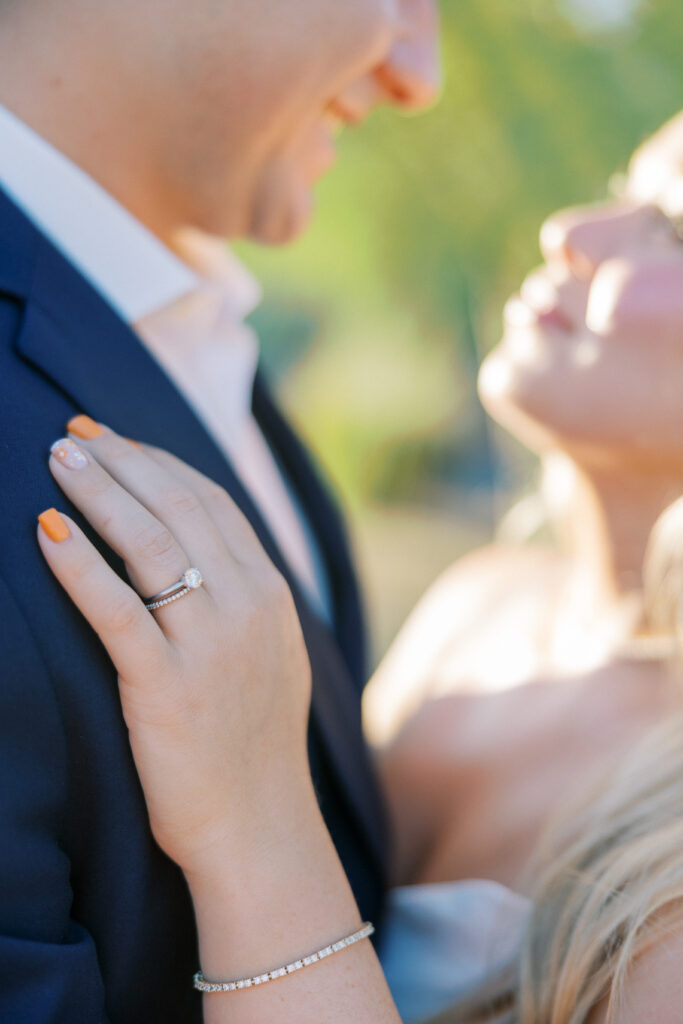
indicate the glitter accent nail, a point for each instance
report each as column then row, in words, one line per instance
column 69, row 454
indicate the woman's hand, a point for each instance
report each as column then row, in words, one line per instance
column 215, row 691
column 215, row 687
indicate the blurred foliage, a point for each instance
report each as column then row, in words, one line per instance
column 375, row 321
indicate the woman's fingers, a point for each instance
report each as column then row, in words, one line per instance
column 151, row 552
column 113, row 609
column 154, row 558
column 235, row 529
column 189, row 503
column 171, row 500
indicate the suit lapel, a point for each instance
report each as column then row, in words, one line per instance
column 328, row 526
column 72, row 336
column 337, row 710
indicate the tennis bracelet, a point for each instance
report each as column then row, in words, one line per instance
column 203, row 985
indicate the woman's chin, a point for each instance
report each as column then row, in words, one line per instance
column 504, row 382
column 519, row 397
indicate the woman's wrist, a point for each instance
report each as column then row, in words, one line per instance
column 262, row 904
column 264, row 823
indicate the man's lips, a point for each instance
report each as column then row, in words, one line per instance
column 341, row 113
column 355, row 104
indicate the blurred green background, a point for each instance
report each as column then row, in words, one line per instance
column 374, row 323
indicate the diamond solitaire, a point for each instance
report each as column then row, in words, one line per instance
column 193, row 579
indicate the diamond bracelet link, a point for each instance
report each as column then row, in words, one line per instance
column 201, row 983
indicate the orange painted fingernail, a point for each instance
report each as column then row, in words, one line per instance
column 54, row 525
column 84, row 427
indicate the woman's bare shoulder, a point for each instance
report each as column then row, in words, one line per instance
column 462, row 608
column 468, row 592
column 496, row 563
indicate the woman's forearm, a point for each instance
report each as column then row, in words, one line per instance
column 261, row 905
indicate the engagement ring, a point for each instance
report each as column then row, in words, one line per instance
column 189, row 581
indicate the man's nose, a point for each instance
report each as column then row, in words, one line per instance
column 586, row 237
column 410, row 76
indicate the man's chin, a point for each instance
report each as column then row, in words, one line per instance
column 282, row 222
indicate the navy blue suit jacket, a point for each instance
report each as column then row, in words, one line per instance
column 95, row 922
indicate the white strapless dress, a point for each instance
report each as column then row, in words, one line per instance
column 440, row 942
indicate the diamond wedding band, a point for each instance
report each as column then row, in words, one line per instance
column 189, row 581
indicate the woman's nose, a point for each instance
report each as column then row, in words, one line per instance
column 410, row 76
column 586, row 237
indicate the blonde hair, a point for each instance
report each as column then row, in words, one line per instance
column 614, row 885
column 613, row 891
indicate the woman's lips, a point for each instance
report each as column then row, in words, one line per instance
column 537, row 303
column 555, row 318
column 519, row 313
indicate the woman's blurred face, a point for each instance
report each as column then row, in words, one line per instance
column 591, row 359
